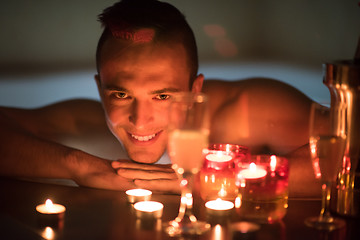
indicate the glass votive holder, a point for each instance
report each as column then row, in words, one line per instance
column 262, row 182
column 217, row 176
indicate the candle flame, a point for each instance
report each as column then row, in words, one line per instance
column 48, row 204
column 222, row 192
column 238, row 201
column 252, row 167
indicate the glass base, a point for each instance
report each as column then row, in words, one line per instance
column 328, row 225
column 174, row 228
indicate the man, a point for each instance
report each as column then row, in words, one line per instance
column 147, row 52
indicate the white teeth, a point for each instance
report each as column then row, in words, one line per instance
column 143, row 138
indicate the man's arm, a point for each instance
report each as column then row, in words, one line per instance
column 46, row 143
column 29, row 148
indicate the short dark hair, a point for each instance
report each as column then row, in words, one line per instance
column 167, row 21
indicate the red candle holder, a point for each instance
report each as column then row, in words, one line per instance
column 262, row 182
column 217, row 176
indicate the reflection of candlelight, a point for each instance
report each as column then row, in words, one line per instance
column 222, row 192
column 48, row 233
column 50, row 208
column 238, row 201
column 253, row 172
column 149, row 209
column 272, row 163
column 244, row 230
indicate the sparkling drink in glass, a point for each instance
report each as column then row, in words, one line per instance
column 327, row 140
column 187, row 141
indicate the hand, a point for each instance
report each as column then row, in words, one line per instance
column 159, row 178
column 98, row 173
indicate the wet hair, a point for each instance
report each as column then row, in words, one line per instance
column 125, row 18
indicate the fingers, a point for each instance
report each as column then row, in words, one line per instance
column 161, row 185
column 148, row 167
column 106, row 180
column 145, row 174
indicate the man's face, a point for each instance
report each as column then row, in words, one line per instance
column 136, row 82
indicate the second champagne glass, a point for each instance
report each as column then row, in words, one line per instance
column 188, row 138
column 327, row 146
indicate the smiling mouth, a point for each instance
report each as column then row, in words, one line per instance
column 143, row 138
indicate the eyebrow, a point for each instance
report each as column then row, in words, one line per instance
column 159, row 91
column 164, row 90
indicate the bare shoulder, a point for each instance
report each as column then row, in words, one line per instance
column 58, row 119
column 260, row 113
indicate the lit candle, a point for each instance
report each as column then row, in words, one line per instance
column 253, row 172
column 50, row 214
column 218, row 157
column 219, row 206
column 149, row 209
column 138, row 195
column 50, row 208
column 218, row 160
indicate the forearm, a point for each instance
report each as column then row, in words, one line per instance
column 25, row 155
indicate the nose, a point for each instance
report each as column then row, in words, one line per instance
column 141, row 113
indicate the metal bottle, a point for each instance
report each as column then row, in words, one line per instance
column 343, row 80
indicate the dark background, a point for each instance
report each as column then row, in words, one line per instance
column 47, row 47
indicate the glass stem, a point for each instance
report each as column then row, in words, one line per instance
column 185, row 211
column 325, row 215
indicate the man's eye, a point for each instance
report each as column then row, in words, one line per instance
column 120, row 95
column 162, row 97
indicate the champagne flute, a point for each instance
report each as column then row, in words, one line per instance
column 188, row 137
column 327, row 146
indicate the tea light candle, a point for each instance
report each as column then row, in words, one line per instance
column 218, row 157
column 218, row 160
column 50, row 208
column 149, row 209
column 253, row 172
column 138, row 195
column 50, row 214
column 219, row 206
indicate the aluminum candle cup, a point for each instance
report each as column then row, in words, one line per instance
column 217, row 176
column 262, row 183
column 138, row 195
column 219, row 207
column 50, row 214
column 218, row 211
column 149, row 209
